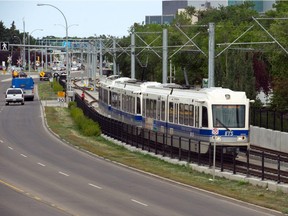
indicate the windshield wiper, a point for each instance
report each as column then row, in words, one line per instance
column 222, row 124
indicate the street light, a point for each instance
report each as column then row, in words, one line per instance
column 64, row 26
column 67, row 58
column 29, row 60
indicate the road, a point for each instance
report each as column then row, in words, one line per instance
column 38, row 169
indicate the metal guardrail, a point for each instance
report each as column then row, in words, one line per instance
column 270, row 119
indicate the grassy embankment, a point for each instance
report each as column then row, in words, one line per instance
column 60, row 121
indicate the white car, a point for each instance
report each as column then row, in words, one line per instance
column 74, row 68
column 14, row 95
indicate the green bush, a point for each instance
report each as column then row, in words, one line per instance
column 91, row 128
column 56, row 86
column 72, row 104
column 86, row 126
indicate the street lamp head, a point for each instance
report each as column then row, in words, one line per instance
column 40, row 4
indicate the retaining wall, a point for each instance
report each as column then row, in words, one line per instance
column 268, row 138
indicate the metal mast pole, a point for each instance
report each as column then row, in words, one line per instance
column 133, row 55
column 114, row 57
column 211, row 55
column 100, row 57
column 24, row 56
column 165, row 56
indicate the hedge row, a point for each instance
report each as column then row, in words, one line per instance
column 56, row 86
column 86, row 125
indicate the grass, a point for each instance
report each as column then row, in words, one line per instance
column 45, row 91
column 60, row 121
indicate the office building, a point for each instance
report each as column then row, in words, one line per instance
column 172, row 7
column 259, row 5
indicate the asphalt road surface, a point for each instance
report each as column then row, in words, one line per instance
column 40, row 175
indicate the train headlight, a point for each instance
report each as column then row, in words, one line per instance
column 227, row 96
column 216, row 138
column 241, row 138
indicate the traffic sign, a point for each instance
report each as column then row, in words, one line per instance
column 215, row 131
column 4, row 46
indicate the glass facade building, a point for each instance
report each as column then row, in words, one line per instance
column 171, row 7
column 259, row 5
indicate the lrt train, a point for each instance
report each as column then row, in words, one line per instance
column 209, row 115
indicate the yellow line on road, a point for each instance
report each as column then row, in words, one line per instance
column 11, row 186
column 36, row 198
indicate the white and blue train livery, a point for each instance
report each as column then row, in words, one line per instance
column 199, row 114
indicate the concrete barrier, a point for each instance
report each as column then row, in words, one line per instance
column 268, row 138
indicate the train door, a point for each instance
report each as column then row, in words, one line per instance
column 201, row 118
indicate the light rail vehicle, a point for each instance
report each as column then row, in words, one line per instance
column 209, row 115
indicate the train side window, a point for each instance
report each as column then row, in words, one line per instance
column 151, row 109
column 176, row 113
column 126, row 103
column 123, row 102
column 148, row 108
column 109, row 98
column 100, row 94
column 204, row 117
column 196, row 116
column 131, row 105
column 114, row 99
column 153, row 105
column 105, row 96
column 119, row 101
column 158, row 109
column 181, row 113
column 162, row 110
column 191, row 115
column 138, row 105
column 144, row 107
column 171, row 110
column 186, row 114
column 133, row 110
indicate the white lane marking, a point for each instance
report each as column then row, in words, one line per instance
column 10, row 147
column 95, row 186
column 23, row 155
column 43, row 165
column 139, row 202
column 1, row 141
column 62, row 173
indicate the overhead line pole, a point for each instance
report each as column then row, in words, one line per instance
column 211, row 64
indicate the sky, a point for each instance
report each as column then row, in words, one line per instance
column 84, row 18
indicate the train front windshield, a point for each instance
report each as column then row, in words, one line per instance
column 228, row 116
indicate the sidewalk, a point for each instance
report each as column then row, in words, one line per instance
column 54, row 103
